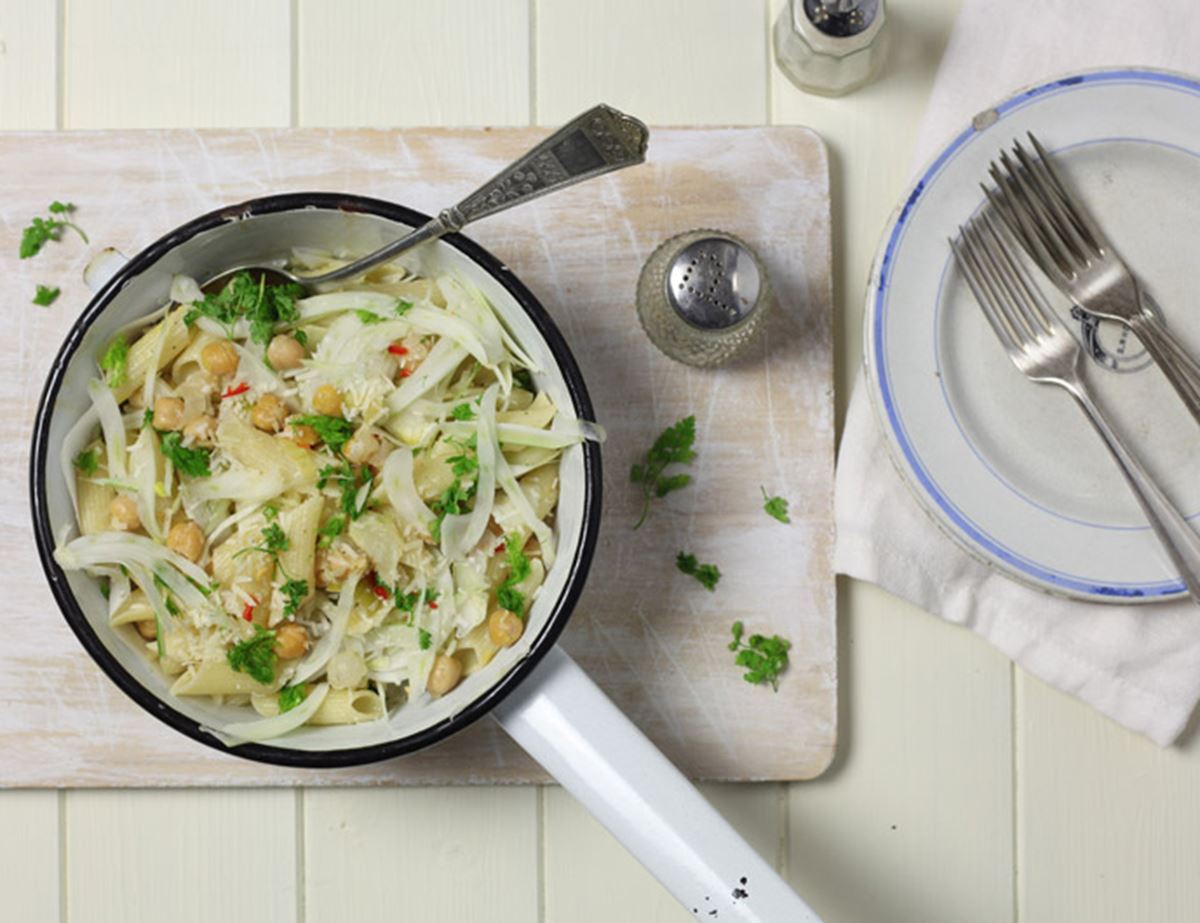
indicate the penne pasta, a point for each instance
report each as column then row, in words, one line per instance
column 152, row 351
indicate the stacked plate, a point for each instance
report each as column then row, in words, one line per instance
column 1010, row 470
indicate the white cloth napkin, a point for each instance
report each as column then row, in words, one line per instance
column 1138, row 665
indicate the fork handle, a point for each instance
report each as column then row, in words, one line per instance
column 1178, row 538
column 1169, row 354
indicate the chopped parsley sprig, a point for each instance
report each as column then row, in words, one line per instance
column 707, row 574
column 46, row 295
column 352, row 482
column 114, row 361
column 508, row 596
column 255, row 656
column 335, row 432
column 764, row 658
column 264, row 305
column 192, row 462
column 43, row 230
column 291, row 696
column 672, row 447
column 86, row 462
column 775, row 507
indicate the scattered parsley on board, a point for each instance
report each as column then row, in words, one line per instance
column 672, row 447
column 764, row 658
column 775, row 507
column 707, row 574
column 46, row 296
column 43, row 230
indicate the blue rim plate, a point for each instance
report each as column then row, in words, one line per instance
column 1011, row 470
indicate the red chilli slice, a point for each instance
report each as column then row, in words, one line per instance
column 235, row 390
column 248, row 612
column 397, row 350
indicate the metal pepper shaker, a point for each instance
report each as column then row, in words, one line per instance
column 831, row 47
column 702, row 297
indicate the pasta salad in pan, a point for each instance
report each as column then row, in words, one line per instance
column 318, row 508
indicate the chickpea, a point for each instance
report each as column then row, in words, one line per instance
column 304, row 435
column 186, row 538
column 124, row 513
column 327, row 401
column 147, row 628
column 219, row 358
column 168, row 413
column 362, row 446
column 447, row 671
column 269, row 413
column 504, row 627
column 291, row 641
column 202, row 430
column 285, row 352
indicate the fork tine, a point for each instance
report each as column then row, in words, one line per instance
column 1024, row 325
column 1033, row 301
column 1051, row 197
column 1018, row 222
column 1087, row 227
column 964, row 259
column 1043, row 220
column 1045, row 248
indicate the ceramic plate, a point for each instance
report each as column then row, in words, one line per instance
column 1011, row 469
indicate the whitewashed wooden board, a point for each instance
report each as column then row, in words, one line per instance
column 653, row 638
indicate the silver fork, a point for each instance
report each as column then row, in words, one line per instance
column 1046, row 352
column 1068, row 246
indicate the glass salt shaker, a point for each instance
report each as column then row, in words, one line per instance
column 831, row 47
column 702, row 297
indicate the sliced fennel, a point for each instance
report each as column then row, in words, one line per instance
column 278, row 725
column 111, row 425
column 460, row 533
column 324, row 649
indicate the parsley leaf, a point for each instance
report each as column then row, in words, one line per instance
column 764, row 658
column 275, row 539
column 263, row 305
column 368, row 317
column 113, row 362
column 508, row 596
column 707, row 574
column 335, row 432
column 43, row 230
column 523, row 378
column 463, row 411
column 406, row 602
column 403, row 307
column 775, row 507
column 86, row 462
column 331, row 530
column 294, row 592
column 147, row 417
column 256, row 656
column 192, row 462
column 672, row 447
column 452, row 502
column 291, row 696
column 45, row 295
column 350, row 481
column 424, row 638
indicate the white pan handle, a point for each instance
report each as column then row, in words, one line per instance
column 574, row 730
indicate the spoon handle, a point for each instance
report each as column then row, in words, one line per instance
column 594, row 143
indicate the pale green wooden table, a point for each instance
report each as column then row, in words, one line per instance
column 964, row 791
